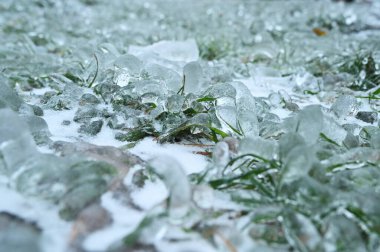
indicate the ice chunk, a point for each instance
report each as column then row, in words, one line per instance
column 8, row 97
column 228, row 117
column 297, row 164
column 16, row 142
column 127, row 68
column 35, row 123
column 122, row 77
column 38, row 127
column 375, row 140
column 333, row 130
column 129, row 63
column 18, row 235
column 344, row 106
column 192, row 72
column 351, row 141
column 311, row 122
column 220, row 154
column 305, row 82
column 186, row 50
column 85, row 114
column 285, row 96
column 248, row 123
column 175, row 103
column 170, row 78
column 301, row 232
column 308, row 123
column 85, row 181
column 289, row 141
column 275, row 99
column 267, row 149
column 225, row 94
column 92, row 129
column 176, row 181
column 221, row 90
column 203, row 196
column 244, row 99
column 88, row 99
column 352, row 239
column 42, row 176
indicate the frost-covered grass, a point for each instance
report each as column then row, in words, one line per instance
column 255, row 124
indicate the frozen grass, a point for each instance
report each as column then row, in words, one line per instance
column 265, row 115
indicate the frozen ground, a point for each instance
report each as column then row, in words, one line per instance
column 189, row 125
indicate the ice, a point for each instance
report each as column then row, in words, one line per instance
column 149, row 90
column 92, row 129
column 8, row 97
column 289, row 141
column 42, row 176
column 175, row 179
column 203, row 196
column 267, row 149
column 314, row 172
column 131, row 64
column 192, row 73
column 301, row 231
column 248, row 123
column 375, row 140
column 122, row 78
column 344, row 106
column 38, row 127
column 244, row 99
column 275, row 99
column 311, row 122
column 175, row 103
column 225, row 93
column 169, row 78
column 351, row 240
column 17, row 234
column 220, row 154
column 351, row 141
column 228, row 117
column 88, row 99
column 85, row 114
column 333, row 130
column 16, row 142
column 305, row 82
column 297, row 164
column 308, row 123
column 185, row 51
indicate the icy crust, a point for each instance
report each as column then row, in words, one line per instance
column 263, row 135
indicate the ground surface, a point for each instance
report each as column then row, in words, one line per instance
column 203, row 125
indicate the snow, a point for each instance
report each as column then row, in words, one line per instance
column 60, row 132
column 185, row 155
column 150, row 195
column 70, row 132
column 43, row 214
column 125, row 220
